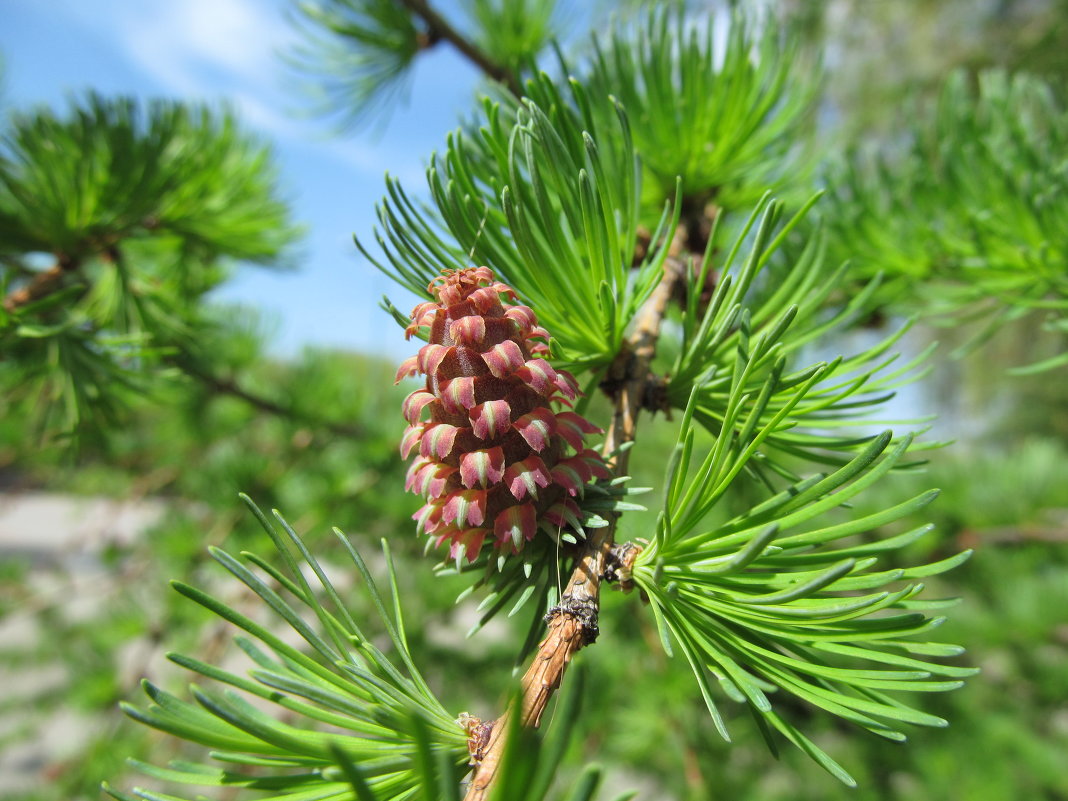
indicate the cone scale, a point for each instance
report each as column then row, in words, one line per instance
column 493, row 456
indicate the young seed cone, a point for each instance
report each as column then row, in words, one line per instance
column 494, row 459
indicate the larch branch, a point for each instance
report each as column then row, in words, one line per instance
column 48, row 281
column 573, row 623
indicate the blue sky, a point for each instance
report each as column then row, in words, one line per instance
column 228, row 50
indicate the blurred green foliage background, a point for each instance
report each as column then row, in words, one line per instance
column 323, row 450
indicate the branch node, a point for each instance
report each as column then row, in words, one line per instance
column 478, row 734
column 619, row 562
column 582, row 611
column 655, row 395
column 625, row 371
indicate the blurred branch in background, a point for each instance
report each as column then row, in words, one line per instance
column 438, row 29
column 965, row 214
column 359, row 54
column 883, row 55
column 144, row 208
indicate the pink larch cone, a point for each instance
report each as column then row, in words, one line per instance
column 494, row 461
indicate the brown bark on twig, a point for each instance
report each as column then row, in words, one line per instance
column 573, row 624
column 439, row 29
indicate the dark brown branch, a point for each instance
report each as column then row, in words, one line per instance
column 189, row 365
column 573, row 624
column 439, row 29
column 41, row 285
column 228, row 386
column 1056, row 532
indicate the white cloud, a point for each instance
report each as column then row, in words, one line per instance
column 267, row 116
column 374, row 160
column 198, row 39
column 232, row 35
column 228, row 50
column 203, row 49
